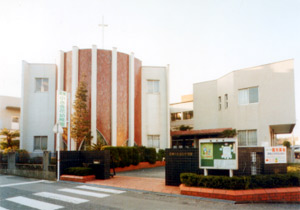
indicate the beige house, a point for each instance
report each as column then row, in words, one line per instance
column 182, row 113
column 259, row 102
column 9, row 112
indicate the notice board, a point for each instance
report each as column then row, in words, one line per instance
column 218, row 153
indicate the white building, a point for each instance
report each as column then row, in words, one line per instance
column 259, row 102
column 127, row 103
column 9, row 112
column 182, row 113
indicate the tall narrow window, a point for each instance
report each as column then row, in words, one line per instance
column 220, row 103
column 41, row 84
column 226, row 101
column 153, row 86
column 248, row 96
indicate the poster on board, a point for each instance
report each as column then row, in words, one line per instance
column 275, row 155
column 218, row 153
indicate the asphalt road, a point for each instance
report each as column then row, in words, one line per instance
column 23, row 193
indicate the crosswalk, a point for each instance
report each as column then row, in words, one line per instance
column 66, row 195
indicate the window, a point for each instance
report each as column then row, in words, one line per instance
column 153, row 86
column 15, row 123
column 175, row 116
column 41, row 84
column 248, row 96
column 220, row 103
column 226, row 101
column 153, row 141
column 188, row 115
column 247, row 137
column 15, row 119
column 40, row 142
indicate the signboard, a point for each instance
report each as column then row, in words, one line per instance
column 218, row 153
column 275, row 155
column 62, row 108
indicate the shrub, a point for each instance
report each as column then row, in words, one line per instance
column 160, row 155
column 243, row 182
column 141, row 152
column 78, row 171
column 150, row 155
column 135, row 156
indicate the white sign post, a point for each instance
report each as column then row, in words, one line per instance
column 61, row 121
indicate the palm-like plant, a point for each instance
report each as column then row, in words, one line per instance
column 9, row 136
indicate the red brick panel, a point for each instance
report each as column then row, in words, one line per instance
column 122, row 98
column 104, row 93
column 138, row 101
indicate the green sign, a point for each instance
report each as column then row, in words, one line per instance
column 62, row 108
column 218, row 154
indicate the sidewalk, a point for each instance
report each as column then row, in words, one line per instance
column 138, row 183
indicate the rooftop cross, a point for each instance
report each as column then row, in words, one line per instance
column 103, row 26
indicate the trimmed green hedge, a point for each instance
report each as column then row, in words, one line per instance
column 78, row 171
column 242, row 182
column 126, row 156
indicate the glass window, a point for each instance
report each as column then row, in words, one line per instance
column 176, row 116
column 153, row 141
column 15, row 119
column 248, row 95
column 153, row 86
column 188, row 115
column 41, row 84
column 247, row 138
column 220, row 103
column 226, row 101
column 40, row 142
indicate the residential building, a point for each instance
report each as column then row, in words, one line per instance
column 127, row 102
column 182, row 113
column 9, row 112
column 259, row 102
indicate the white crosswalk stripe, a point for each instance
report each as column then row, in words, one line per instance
column 61, row 197
column 83, row 192
column 34, row 203
column 100, row 189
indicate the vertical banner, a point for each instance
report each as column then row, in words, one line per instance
column 62, row 108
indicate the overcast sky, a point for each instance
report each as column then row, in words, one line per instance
column 201, row 40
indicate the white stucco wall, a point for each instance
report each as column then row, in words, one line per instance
column 276, row 105
column 155, row 106
column 7, row 113
column 38, row 108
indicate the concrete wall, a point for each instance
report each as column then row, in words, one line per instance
column 276, row 105
column 9, row 107
column 155, row 106
column 38, row 108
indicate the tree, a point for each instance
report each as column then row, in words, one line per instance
column 80, row 123
column 10, row 137
column 287, row 144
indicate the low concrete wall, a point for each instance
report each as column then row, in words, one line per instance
column 38, row 171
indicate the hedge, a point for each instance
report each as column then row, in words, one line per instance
column 242, row 182
column 126, row 156
column 78, row 171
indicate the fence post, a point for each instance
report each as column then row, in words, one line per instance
column 11, row 160
column 45, row 160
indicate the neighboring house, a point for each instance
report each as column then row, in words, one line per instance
column 127, row 102
column 9, row 112
column 259, row 102
column 182, row 113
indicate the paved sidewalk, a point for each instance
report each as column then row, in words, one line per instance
column 138, row 183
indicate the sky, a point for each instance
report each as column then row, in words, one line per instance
column 201, row 40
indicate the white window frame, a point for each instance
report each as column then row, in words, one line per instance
column 42, row 89
column 153, row 86
column 151, row 138
column 40, row 143
column 247, row 138
column 246, row 93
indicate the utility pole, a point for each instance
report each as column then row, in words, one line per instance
column 103, row 26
